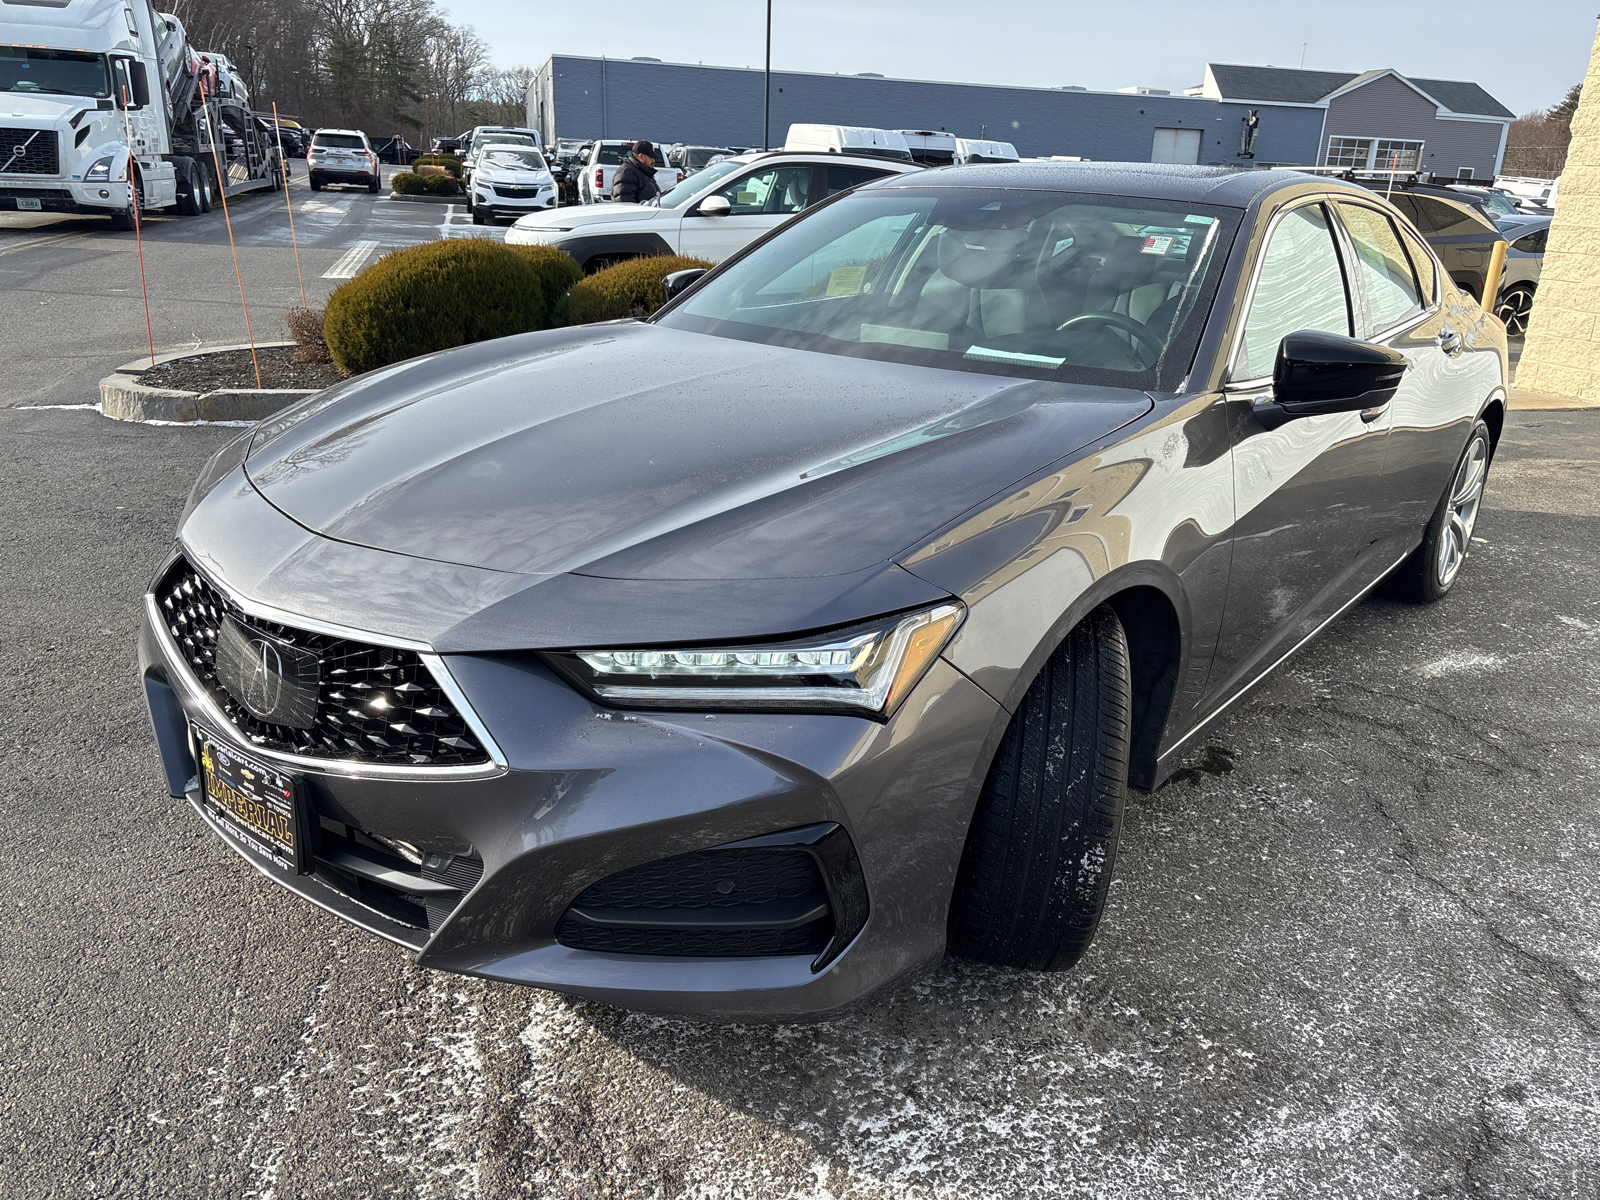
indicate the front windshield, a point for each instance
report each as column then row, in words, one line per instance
column 53, row 72
column 514, row 160
column 1049, row 285
column 692, row 186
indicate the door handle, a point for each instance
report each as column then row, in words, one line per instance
column 1450, row 341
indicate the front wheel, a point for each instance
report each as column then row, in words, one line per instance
column 1514, row 308
column 1037, row 866
column 1431, row 571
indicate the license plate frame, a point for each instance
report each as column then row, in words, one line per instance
column 29, row 204
column 262, row 807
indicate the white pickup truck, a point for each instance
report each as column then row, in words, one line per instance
column 99, row 98
column 600, row 166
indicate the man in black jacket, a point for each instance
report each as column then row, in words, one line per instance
column 635, row 180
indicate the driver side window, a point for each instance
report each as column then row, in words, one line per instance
column 1299, row 286
column 775, row 190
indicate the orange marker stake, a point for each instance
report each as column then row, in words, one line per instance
column 289, row 204
column 138, row 233
column 222, row 190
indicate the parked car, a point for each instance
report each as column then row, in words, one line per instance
column 444, row 145
column 509, row 181
column 1459, row 231
column 1524, row 259
column 975, row 150
column 1532, row 195
column 930, row 147
column 342, row 156
column 749, row 681
column 601, row 163
column 711, row 214
column 690, row 159
column 847, row 139
column 396, row 150
column 484, row 136
column 1496, row 204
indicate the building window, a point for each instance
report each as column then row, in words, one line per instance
column 1175, row 146
column 1349, row 152
column 1397, row 156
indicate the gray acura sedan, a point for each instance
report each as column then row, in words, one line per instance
column 740, row 661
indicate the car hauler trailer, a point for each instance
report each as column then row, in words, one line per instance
column 101, row 97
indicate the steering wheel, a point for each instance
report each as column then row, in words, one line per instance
column 1128, row 325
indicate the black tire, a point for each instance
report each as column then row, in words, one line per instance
column 316, row 184
column 1043, row 842
column 208, row 187
column 1433, row 567
column 1513, row 308
column 373, row 187
column 477, row 214
column 188, row 172
column 128, row 219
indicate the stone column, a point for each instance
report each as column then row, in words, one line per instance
column 1562, row 353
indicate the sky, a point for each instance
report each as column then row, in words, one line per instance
column 1526, row 55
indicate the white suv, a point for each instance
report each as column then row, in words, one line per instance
column 508, row 181
column 341, row 156
column 711, row 215
column 600, row 167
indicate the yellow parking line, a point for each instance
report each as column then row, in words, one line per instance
column 44, row 241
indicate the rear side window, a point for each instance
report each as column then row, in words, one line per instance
column 1300, row 286
column 1425, row 266
column 1532, row 243
column 1384, row 268
column 1449, row 220
column 842, row 179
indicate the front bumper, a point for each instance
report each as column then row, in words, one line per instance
column 578, row 793
column 70, row 197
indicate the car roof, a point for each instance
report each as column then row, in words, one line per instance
column 1225, row 186
column 352, row 132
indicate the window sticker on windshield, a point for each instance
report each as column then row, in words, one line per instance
column 846, row 281
column 1156, row 244
column 1191, row 219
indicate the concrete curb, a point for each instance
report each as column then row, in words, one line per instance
column 426, row 199
column 1528, row 400
column 124, row 398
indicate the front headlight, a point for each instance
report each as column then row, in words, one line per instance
column 866, row 669
column 99, row 169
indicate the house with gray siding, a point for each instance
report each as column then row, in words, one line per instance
column 1302, row 118
column 1379, row 119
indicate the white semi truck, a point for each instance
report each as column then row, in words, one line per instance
column 99, row 98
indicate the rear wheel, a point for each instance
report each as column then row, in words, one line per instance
column 1514, row 306
column 316, row 184
column 207, row 186
column 1037, row 865
column 1432, row 570
column 188, row 173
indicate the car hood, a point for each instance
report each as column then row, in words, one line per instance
column 592, row 214
column 491, row 175
column 631, row 451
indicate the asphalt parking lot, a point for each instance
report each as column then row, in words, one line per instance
column 1352, row 949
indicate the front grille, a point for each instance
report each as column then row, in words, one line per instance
column 29, row 152
column 712, row 903
column 375, row 704
column 515, row 193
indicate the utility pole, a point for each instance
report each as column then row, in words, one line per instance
column 766, row 103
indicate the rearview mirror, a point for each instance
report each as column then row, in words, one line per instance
column 715, row 206
column 141, row 84
column 1329, row 373
column 680, row 281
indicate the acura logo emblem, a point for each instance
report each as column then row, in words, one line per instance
column 264, row 690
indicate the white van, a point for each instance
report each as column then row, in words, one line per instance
column 847, row 139
column 929, row 147
column 971, row 150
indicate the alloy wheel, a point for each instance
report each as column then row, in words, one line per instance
column 1513, row 310
column 1466, row 495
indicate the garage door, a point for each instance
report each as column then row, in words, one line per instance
column 1176, row 146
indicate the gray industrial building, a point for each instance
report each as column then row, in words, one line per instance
column 1304, row 117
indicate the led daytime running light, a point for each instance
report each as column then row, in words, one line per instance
column 861, row 670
